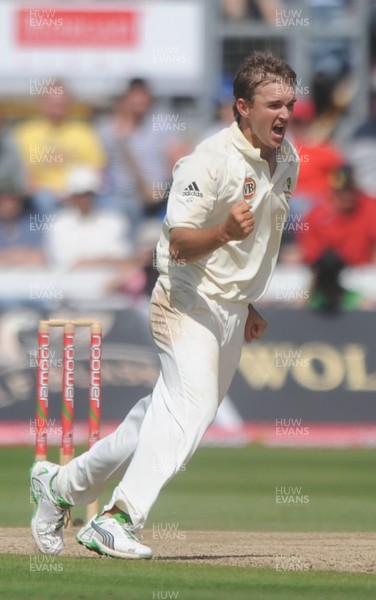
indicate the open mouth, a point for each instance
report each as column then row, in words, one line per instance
column 278, row 129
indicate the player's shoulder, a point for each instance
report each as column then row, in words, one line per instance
column 216, row 143
column 208, row 156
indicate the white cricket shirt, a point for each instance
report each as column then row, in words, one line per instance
column 221, row 170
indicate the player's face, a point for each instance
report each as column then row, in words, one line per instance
column 266, row 120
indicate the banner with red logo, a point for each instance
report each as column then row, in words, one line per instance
column 102, row 42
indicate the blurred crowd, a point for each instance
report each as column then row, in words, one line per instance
column 88, row 193
column 77, row 193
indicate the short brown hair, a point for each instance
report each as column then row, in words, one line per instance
column 256, row 69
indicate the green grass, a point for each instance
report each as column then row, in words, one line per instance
column 222, row 489
column 85, row 579
column 235, row 489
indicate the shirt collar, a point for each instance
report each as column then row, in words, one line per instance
column 242, row 144
column 246, row 148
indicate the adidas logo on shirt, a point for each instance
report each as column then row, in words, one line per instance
column 192, row 190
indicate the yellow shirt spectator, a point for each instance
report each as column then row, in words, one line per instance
column 49, row 151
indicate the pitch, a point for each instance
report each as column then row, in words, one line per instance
column 282, row 552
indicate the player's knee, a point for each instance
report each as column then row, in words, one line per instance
column 194, row 406
column 205, row 410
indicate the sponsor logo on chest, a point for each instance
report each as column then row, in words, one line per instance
column 249, row 189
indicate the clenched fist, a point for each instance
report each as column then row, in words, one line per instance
column 240, row 222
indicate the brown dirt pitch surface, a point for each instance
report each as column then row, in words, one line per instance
column 352, row 552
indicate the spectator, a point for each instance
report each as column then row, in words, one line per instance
column 318, row 159
column 84, row 235
column 341, row 232
column 344, row 224
column 20, row 245
column 52, row 145
column 137, row 150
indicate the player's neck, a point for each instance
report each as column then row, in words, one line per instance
column 267, row 153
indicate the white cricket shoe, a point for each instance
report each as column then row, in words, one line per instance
column 50, row 509
column 112, row 536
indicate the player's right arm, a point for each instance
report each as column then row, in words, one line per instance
column 190, row 244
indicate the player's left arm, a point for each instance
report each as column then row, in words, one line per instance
column 255, row 325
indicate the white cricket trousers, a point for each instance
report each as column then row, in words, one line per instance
column 199, row 342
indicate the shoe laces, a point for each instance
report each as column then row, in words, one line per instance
column 125, row 523
column 64, row 519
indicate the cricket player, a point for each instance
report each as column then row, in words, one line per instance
column 216, row 256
